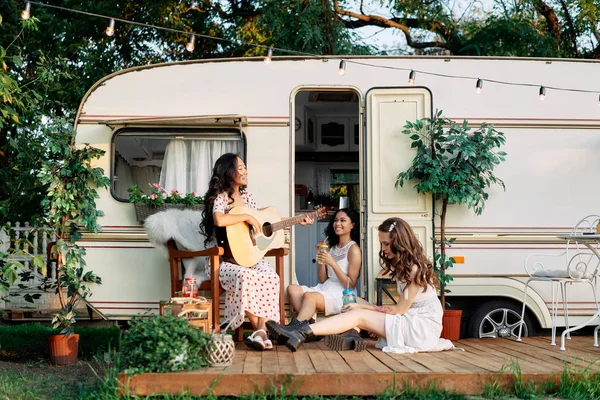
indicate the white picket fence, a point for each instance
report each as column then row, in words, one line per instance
column 39, row 238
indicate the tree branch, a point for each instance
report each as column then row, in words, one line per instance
column 550, row 15
column 572, row 32
column 402, row 24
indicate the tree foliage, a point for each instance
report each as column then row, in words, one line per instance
column 540, row 28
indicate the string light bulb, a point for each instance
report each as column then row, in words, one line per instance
column 411, row 77
column 26, row 13
column 191, row 45
column 110, row 29
column 342, row 68
column 542, row 92
column 479, row 86
column 269, row 55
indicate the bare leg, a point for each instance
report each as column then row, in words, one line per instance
column 257, row 323
column 311, row 302
column 295, row 294
column 371, row 321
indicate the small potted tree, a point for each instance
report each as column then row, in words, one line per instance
column 70, row 205
column 456, row 165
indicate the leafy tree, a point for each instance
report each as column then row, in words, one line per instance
column 549, row 28
column 455, row 165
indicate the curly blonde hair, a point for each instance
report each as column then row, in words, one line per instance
column 407, row 252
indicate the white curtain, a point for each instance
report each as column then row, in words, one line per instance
column 187, row 166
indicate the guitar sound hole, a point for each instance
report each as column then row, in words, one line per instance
column 267, row 229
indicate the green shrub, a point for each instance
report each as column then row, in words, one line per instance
column 163, row 344
column 28, row 341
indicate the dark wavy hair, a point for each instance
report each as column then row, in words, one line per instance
column 406, row 252
column 332, row 238
column 223, row 176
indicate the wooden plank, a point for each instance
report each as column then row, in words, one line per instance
column 303, row 363
column 481, row 360
column 511, row 355
column 373, row 362
column 409, row 363
column 324, row 384
column 355, row 361
column 387, row 360
column 456, row 362
column 336, row 361
column 270, row 362
column 252, row 363
column 578, row 360
column 428, row 361
column 318, row 358
column 287, row 365
column 239, row 357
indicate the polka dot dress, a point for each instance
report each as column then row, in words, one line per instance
column 255, row 289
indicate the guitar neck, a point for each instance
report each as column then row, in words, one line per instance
column 285, row 223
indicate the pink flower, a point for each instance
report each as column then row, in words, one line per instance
column 153, row 196
column 174, row 191
column 193, row 193
column 156, row 185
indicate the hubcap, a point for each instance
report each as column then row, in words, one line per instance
column 501, row 323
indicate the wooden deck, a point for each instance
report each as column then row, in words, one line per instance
column 315, row 369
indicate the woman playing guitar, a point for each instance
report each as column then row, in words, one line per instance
column 250, row 292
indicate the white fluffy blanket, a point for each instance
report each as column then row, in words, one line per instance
column 183, row 226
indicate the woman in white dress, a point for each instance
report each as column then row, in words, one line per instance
column 338, row 268
column 413, row 324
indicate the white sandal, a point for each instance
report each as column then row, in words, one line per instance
column 256, row 342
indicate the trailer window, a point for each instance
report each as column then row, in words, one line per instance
column 176, row 160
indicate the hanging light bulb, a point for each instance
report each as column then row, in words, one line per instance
column 110, row 29
column 269, row 55
column 191, row 45
column 542, row 92
column 411, row 77
column 479, row 86
column 342, row 68
column 26, row 13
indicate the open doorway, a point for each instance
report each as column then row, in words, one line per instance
column 327, row 165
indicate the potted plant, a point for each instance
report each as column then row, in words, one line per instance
column 455, row 165
column 159, row 199
column 70, row 206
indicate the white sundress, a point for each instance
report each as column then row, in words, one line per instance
column 254, row 289
column 332, row 288
column 418, row 329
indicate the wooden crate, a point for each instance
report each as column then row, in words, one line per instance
column 198, row 314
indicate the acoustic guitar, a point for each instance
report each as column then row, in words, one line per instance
column 248, row 247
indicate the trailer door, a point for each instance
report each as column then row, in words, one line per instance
column 388, row 153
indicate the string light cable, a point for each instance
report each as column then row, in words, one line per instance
column 270, row 49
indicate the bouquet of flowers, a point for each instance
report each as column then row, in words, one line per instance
column 160, row 196
column 160, row 199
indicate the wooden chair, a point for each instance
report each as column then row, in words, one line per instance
column 213, row 285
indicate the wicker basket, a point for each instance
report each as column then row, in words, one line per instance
column 143, row 211
column 221, row 350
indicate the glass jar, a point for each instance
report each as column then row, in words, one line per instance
column 190, row 288
column 348, row 296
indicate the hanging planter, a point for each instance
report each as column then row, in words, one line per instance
column 63, row 350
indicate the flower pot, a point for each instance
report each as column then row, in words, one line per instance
column 451, row 324
column 63, row 350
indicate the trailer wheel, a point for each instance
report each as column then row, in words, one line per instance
column 498, row 319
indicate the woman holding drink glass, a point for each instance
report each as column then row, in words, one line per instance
column 339, row 266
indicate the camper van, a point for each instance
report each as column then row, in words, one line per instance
column 315, row 129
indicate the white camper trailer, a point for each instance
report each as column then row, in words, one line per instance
column 300, row 124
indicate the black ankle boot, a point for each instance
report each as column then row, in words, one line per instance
column 349, row 340
column 282, row 339
column 294, row 335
